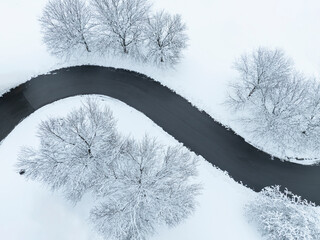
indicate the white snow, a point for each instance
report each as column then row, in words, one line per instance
column 30, row 211
column 219, row 31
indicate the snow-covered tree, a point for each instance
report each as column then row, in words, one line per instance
column 67, row 27
column 259, row 72
column 120, row 24
column 75, row 151
column 312, row 111
column 278, row 105
column 283, row 215
column 277, row 115
column 152, row 188
column 166, row 38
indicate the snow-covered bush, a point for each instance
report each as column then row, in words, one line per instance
column 140, row 185
column 152, row 188
column 67, row 27
column 277, row 105
column 74, row 151
column 283, row 215
column 166, row 38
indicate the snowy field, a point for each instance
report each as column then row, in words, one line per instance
column 219, row 31
column 30, row 211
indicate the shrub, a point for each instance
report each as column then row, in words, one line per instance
column 284, row 215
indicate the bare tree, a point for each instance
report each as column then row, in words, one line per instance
column 74, row 151
column 152, row 188
column 277, row 115
column 166, row 38
column 283, row 215
column 67, row 26
column 120, row 24
column 259, row 72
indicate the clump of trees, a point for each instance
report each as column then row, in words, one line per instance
column 283, row 215
column 276, row 103
column 117, row 27
column 139, row 184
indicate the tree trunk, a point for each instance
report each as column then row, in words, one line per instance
column 85, row 44
column 125, row 50
column 252, row 91
column 87, row 47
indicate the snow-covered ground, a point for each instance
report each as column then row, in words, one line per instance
column 30, row 211
column 219, row 31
